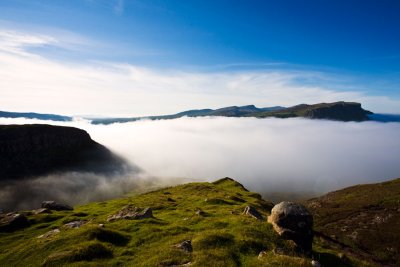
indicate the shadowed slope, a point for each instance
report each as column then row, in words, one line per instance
column 30, row 150
column 365, row 218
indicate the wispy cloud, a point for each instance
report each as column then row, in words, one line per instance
column 33, row 82
column 18, row 42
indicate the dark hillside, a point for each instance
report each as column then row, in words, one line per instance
column 365, row 218
column 29, row 150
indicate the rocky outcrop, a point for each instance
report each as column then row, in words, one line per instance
column 130, row 212
column 341, row 111
column 30, row 150
column 294, row 222
column 52, row 205
column 13, row 221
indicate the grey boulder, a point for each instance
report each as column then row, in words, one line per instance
column 13, row 221
column 52, row 205
column 293, row 222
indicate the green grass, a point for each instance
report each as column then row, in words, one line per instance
column 221, row 235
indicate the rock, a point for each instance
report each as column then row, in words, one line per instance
column 130, row 212
column 101, row 225
column 12, row 222
column 315, row 263
column 74, row 224
column 185, row 246
column 251, row 211
column 293, row 222
column 41, row 211
column 52, row 205
column 49, row 233
column 200, row 212
column 262, row 254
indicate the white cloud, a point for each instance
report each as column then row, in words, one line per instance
column 32, row 82
column 17, row 42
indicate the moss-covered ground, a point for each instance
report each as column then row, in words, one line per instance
column 221, row 235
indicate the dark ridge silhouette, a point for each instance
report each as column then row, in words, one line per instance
column 37, row 149
column 339, row 111
column 32, row 115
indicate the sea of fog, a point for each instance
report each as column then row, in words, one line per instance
column 265, row 155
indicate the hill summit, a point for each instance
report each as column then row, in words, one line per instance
column 196, row 224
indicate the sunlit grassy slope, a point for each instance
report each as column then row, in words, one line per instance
column 222, row 236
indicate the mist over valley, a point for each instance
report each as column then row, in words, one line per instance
column 299, row 157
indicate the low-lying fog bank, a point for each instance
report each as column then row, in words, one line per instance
column 266, row 155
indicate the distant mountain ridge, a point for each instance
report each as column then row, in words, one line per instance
column 232, row 111
column 33, row 115
column 340, row 111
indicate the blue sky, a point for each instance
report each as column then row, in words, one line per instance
column 349, row 49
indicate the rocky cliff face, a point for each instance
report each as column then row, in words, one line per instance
column 29, row 150
column 341, row 111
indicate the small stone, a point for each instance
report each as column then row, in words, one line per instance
column 101, row 225
column 49, row 233
column 315, row 263
column 74, row 224
column 251, row 211
column 41, row 211
column 185, row 246
column 200, row 213
column 262, row 254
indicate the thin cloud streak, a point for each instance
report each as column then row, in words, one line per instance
column 33, row 82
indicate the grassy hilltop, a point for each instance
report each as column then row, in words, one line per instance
column 208, row 214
